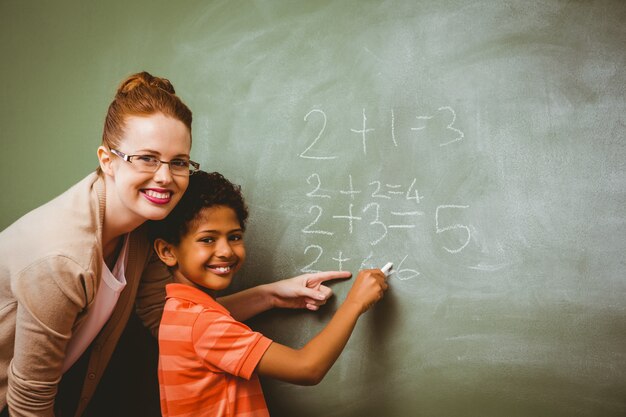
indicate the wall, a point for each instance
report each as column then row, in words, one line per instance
column 477, row 145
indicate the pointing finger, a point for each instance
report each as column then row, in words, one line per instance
column 319, row 277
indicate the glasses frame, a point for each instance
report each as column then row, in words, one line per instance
column 193, row 166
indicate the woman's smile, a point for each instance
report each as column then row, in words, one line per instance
column 157, row 195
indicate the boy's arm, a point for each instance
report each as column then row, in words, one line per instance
column 245, row 304
column 303, row 291
column 309, row 365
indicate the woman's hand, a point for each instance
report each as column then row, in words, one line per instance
column 304, row 291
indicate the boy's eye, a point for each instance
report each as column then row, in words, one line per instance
column 236, row 237
column 207, row 240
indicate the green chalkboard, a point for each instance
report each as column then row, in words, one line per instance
column 480, row 146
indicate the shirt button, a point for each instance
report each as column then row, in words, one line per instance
column 91, row 375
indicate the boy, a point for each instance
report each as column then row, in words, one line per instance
column 208, row 362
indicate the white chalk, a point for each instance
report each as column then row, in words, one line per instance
column 387, row 269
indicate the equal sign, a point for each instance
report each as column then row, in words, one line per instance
column 405, row 213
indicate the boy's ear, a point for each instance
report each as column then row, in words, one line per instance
column 166, row 252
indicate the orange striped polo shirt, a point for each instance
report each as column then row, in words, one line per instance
column 207, row 359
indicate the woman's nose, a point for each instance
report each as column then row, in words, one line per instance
column 163, row 175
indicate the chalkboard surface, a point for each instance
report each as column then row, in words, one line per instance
column 479, row 146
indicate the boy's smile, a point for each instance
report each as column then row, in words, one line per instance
column 212, row 250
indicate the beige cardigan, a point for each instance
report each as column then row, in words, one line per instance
column 50, row 268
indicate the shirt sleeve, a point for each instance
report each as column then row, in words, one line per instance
column 228, row 345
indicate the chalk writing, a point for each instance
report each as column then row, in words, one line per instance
column 320, row 250
column 445, row 114
column 376, row 208
column 349, row 217
column 393, row 129
column 401, row 272
column 376, row 193
column 412, row 193
column 405, row 214
column 366, row 263
column 453, row 227
column 363, row 131
column 314, row 177
column 372, row 213
column 307, row 229
column 340, row 260
column 351, row 191
column 459, row 135
column 319, row 135
column 377, row 222
column 404, row 274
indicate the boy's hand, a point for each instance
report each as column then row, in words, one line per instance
column 305, row 291
column 369, row 287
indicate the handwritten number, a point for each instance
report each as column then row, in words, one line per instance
column 319, row 184
column 307, row 268
column 376, row 194
column 404, row 274
column 376, row 221
column 319, row 214
column 453, row 227
column 319, row 135
column 411, row 191
column 460, row 135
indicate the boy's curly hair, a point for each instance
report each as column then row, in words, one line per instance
column 204, row 190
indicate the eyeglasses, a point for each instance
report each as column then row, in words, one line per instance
column 149, row 163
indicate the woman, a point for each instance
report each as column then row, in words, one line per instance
column 72, row 269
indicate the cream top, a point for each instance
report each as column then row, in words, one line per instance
column 111, row 285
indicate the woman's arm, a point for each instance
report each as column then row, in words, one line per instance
column 151, row 293
column 303, row 291
column 309, row 365
column 45, row 315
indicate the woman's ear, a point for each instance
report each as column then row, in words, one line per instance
column 105, row 160
column 166, row 252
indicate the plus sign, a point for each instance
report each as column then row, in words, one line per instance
column 341, row 260
column 349, row 217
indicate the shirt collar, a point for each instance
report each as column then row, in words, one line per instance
column 195, row 295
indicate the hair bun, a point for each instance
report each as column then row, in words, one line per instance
column 145, row 79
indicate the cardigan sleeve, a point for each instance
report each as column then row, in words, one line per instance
column 50, row 294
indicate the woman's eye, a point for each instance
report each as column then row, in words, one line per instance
column 146, row 158
column 179, row 163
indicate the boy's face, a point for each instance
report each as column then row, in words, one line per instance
column 212, row 251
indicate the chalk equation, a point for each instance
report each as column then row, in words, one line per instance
column 445, row 114
column 353, row 206
column 370, row 213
